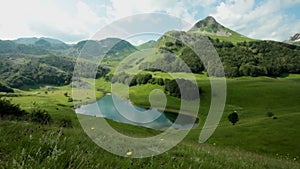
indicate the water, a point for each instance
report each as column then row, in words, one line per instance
column 134, row 115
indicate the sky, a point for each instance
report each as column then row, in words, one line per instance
column 75, row 20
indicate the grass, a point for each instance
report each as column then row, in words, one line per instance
column 33, row 146
column 252, row 98
column 234, row 38
column 256, row 141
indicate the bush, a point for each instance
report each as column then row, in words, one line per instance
column 189, row 89
column 9, row 110
column 233, row 118
column 270, row 114
column 66, row 123
column 70, row 99
column 41, row 116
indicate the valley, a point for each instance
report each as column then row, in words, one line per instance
column 262, row 82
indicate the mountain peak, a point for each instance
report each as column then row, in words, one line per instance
column 209, row 25
column 209, row 22
column 210, row 19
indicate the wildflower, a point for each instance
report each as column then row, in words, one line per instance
column 129, row 153
column 161, row 139
column 92, row 128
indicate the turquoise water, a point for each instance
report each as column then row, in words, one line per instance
column 114, row 108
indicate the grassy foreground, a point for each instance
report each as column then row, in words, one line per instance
column 25, row 145
column 256, row 141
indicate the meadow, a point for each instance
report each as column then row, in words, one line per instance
column 256, row 141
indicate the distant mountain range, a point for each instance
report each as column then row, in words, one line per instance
column 113, row 48
column 29, row 61
column 32, row 41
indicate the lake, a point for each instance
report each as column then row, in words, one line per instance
column 117, row 109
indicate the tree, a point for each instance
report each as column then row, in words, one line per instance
column 233, row 118
column 270, row 114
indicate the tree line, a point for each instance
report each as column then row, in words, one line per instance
column 172, row 87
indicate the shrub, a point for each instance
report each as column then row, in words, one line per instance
column 38, row 115
column 233, row 118
column 70, row 99
column 41, row 116
column 189, row 89
column 9, row 110
column 66, row 123
column 270, row 114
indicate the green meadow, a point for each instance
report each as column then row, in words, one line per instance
column 256, row 141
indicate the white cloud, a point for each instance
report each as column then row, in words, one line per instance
column 75, row 20
column 86, row 14
column 48, row 18
column 204, row 3
column 265, row 21
column 121, row 8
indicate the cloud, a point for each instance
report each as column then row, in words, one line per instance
column 81, row 19
column 121, row 8
column 266, row 20
column 57, row 19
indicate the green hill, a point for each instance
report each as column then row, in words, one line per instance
column 252, row 58
column 147, row 45
column 111, row 48
column 33, row 40
column 210, row 27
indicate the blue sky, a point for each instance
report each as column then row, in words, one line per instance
column 75, row 20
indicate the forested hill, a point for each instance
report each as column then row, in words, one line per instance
column 32, row 61
column 40, row 61
column 240, row 58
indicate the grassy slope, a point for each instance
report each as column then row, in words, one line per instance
column 234, row 38
column 31, row 146
column 252, row 97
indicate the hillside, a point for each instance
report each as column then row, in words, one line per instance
column 41, row 61
column 147, row 45
column 252, row 58
column 33, row 40
column 111, row 48
column 210, row 27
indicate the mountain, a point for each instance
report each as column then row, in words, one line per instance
column 29, row 61
column 10, row 47
column 147, row 45
column 44, row 43
column 295, row 40
column 240, row 56
column 112, row 48
column 210, row 27
column 33, row 40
